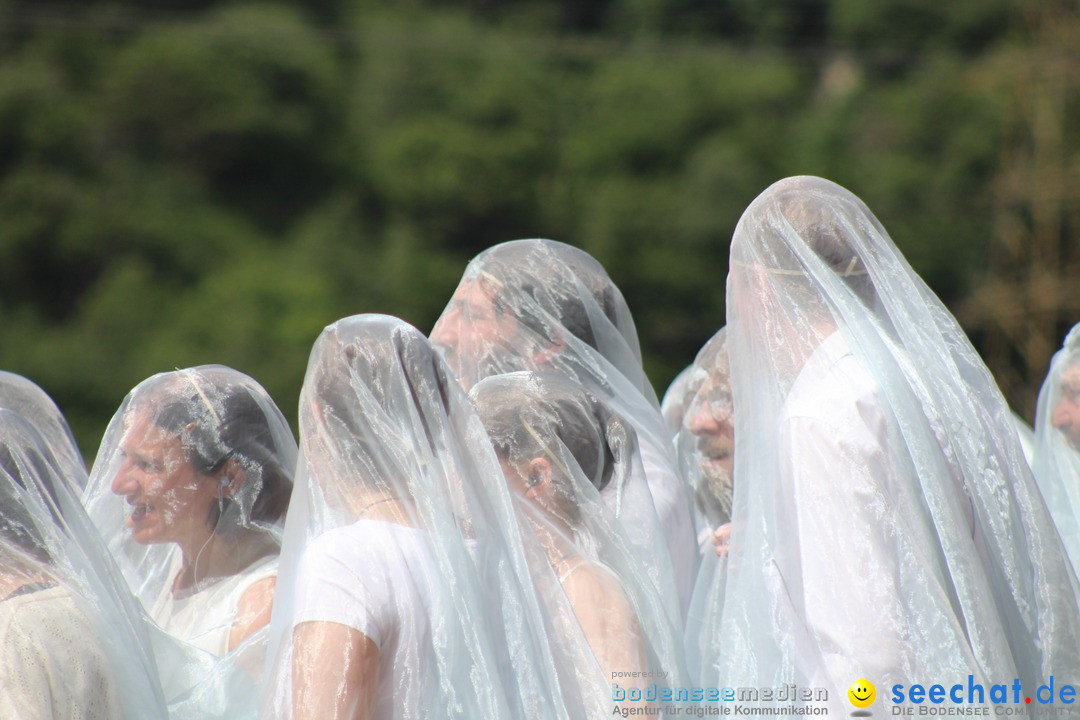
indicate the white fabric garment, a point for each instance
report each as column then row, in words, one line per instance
column 205, row 617
column 404, row 589
column 544, row 306
column 1057, row 443
column 363, row 575
column 50, row 663
column 879, row 488
column 834, row 451
column 73, row 642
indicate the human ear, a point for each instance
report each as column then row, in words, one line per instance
column 230, row 478
column 538, row 477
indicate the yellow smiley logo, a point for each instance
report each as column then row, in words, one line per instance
column 862, row 693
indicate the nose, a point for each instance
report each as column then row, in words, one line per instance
column 445, row 332
column 125, row 481
column 1062, row 417
column 702, row 421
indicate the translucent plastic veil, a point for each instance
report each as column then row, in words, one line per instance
column 32, row 403
column 189, row 489
column 559, row 446
column 1027, row 438
column 1057, row 443
column 541, row 305
column 885, row 524
column 705, row 440
column 673, row 404
column 404, row 590
column 73, row 642
column 705, row 444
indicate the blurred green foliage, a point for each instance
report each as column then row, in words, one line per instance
column 195, row 182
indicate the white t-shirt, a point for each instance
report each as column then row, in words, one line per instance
column 52, row 664
column 205, row 618
column 377, row 578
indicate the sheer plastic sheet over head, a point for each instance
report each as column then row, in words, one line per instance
column 544, row 306
column 190, row 489
column 706, row 449
column 1026, row 433
column 72, row 638
column 1057, row 443
column 404, row 589
column 560, row 447
column 705, row 442
column 522, row 303
column 678, row 393
column 884, row 522
column 24, row 397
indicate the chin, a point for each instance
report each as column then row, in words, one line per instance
column 147, row 536
column 142, row 539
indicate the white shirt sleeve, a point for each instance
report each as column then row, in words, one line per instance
column 338, row 584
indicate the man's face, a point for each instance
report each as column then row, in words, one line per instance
column 711, row 420
column 1066, row 417
column 473, row 328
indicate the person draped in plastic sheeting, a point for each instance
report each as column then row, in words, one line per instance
column 560, row 446
column 706, row 449
column 72, row 639
column 36, row 407
column 404, row 591
column 541, row 305
column 190, row 489
column 706, row 441
column 885, row 523
column 1057, row 442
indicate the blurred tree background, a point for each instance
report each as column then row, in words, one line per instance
column 196, row 181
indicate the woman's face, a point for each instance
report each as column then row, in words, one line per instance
column 169, row 500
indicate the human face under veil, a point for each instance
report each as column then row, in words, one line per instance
column 190, row 489
column 706, row 441
column 884, row 487
column 539, row 305
column 1057, row 442
column 1066, row 411
column 72, row 640
column 404, row 589
column 543, row 306
column 559, row 446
